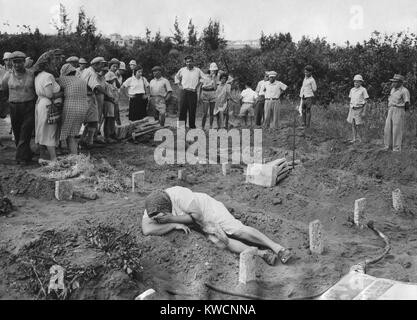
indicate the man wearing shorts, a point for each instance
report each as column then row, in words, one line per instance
column 177, row 207
column 248, row 99
column 161, row 91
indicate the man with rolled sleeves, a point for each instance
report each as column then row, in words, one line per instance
column 273, row 90
column 95, row 93
column 307, row 91
column 188, row 78
column 161, row 91
column 260, row 104
column 19, row 85
column 398, row 104
column 4, row 106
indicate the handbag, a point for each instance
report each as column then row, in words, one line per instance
column 54, row 111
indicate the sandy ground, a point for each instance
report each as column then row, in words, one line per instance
column 43, row 231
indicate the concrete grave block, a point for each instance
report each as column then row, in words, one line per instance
column 316, row 237
column 138, row 179
column 182, row 175
column 247, row 265
column 359, row 216
column 147, row 295
column 226, row 169
column 264, row 174
column 398, row 200
column 64, row 190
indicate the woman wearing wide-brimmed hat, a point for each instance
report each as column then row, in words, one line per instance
column 208, row 94
column 357, row 110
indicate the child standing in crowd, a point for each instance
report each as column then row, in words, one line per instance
column 357, row 110
column 248, row 98
column 222, row 96
column 234, row 103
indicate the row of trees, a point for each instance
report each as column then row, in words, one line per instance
column 376, row 59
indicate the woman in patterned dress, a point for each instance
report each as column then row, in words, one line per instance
column 75, row 106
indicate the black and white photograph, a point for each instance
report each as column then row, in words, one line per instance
column 208, row 154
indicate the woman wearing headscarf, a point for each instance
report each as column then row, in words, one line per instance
column 48, row 91
column 75, row 106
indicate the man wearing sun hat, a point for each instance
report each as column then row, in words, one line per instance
column 82, row 66
column 398, row 103
column 273, row 90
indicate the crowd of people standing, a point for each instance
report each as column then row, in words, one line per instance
column 55, row 98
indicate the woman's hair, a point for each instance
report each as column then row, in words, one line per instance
column 224, row 75
column 158, row 201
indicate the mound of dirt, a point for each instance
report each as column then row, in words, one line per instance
column 369, row 161
column 18, row 182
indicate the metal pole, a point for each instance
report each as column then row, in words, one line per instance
column 293, row 142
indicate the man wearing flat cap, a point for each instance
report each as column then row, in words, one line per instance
column 273, row 90
column 95, row 93
column 307, row 93
column 82, row 66
column 398, row 103
column 19, row 84
column 161, row 91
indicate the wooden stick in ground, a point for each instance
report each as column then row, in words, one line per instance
column 39, row 280
column 293, row 143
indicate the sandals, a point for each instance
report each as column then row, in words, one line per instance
column 270, row 257
column 285, row 255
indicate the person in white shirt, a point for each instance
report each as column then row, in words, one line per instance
column 137, row 88
column 161, row 92
column 176, row 207
column 248, row 98
column 272, row 90
column 260, row 104
column 357, row 109
column 307, row 92
column 188, row 78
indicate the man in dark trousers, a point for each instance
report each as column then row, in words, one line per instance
column 188, row 79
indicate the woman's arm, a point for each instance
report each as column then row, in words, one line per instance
column 150, row 227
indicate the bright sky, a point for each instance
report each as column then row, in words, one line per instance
column 337, row 20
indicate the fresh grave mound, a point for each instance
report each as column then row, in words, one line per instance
column 100, row 173
column 89, row 260
column 401, row 166
column 17, row 182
